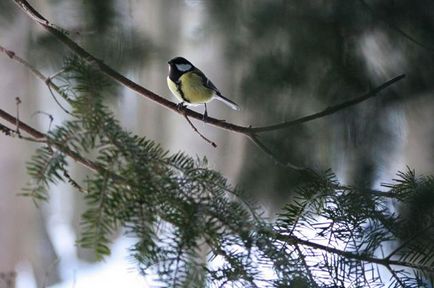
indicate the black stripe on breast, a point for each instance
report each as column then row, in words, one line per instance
column 179, row 85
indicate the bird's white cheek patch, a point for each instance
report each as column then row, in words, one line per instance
column 183, row 67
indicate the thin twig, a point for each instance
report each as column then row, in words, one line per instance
column 246, row 130
column 274, row 157
column 51, row 84
column 18, row 100
column 47, row 80
column 47, row 114
column 397, row 29
column 377, row 193
column 394, row 275
column 303, row 259
column 328, row 110
column 11, row 54
column 200, row 134
column 408, row 241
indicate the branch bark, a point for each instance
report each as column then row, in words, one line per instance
column 22, row 126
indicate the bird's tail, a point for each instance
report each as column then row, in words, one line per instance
column 228, row 102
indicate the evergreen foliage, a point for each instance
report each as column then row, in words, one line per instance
column 194, row 229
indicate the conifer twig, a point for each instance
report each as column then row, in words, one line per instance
column 386, row 262
column 42, row 138
column 289, row 239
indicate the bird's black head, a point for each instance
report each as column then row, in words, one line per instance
column 179, row 66
column 179, row 61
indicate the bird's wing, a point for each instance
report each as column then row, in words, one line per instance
column 206, row 82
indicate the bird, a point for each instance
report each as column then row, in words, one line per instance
column 190, row 86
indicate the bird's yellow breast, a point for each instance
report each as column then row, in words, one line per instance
column 191, row 89
column 174, row 89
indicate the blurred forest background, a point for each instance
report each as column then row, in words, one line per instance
column 278, row 60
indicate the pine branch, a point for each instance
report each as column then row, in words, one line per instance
column 361, row 229
column 43, row 138
column 176, row 190
column 37, row 135
column 291, row 239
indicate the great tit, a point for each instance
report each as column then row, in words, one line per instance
column 189, row 85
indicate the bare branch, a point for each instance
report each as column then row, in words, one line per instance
column 11, row 54
column 250, row 132
column 246, row 130
column 328, row 110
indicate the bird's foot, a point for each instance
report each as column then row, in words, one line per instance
column 181, row 106
column 205, row 116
